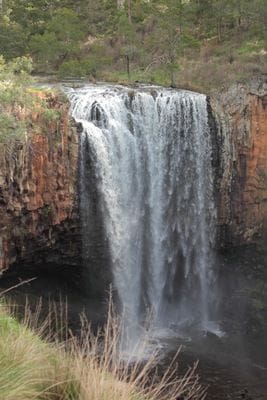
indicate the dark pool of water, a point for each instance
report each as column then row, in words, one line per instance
column 233, row 366
column 226, row 366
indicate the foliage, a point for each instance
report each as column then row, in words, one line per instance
column 37, row 364
column 21, row 65
column 18, row 102
column 250, row 47
column 10, row 127
column 60, row 39
column 13, row 40
column 30, row 368
column 50, row 114
column 134, row 35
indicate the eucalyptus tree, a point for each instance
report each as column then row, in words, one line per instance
column 60, row 39
column 172, row 33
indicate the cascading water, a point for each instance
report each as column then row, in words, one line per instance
column 150, row 152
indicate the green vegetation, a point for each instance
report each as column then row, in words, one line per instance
column 34, row 369
column 29, row 368
column 19, row 101
column 13, row 96
column 194, row 43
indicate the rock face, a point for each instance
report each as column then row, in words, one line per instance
column 39, row 221
column 241, row 114
column 39, row 224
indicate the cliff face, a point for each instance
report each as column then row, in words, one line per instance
column 39, row 222
column 242, row 168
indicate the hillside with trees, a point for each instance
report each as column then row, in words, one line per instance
column 133, row 218
column 200, row 44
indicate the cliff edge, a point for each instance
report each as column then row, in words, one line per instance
column 241, row 114
column 39, row 223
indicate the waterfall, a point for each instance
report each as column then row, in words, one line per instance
column 150, row 158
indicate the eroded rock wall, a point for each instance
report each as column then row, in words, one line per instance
column 39, row 224
column 39, row 221
column 241, row 113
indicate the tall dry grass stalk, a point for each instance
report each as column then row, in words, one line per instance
column 124, row 376
column 46, row 361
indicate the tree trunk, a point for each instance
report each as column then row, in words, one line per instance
column 219, row 29
column 239, row 19
column 172, row 79
column 128, row 67
column 181, row 16
column 120, row 3
column 130, row 11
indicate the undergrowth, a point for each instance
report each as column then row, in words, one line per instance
column 213, row 67
column 20, row 103
column 36, row 363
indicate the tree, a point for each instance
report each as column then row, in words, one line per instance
column 127, row 33
column 171, row 34
column 60, row 40
column 13, row 40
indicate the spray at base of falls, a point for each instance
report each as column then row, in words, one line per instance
column 150, row 154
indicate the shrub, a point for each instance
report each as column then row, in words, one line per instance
column 89, row 66
column 10, row 128
column 21, row 65
column 18, row 101
column 50, row 114
column 72, row 69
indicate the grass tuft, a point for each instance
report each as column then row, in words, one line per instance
column 36, row 364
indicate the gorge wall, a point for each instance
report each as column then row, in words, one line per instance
column 39, row 221
column 39, row 224
column 242, row 169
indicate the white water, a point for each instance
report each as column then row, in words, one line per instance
column 152, row 162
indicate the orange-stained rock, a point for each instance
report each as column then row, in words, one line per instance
column 242, row 207
column 38, row 189
column 38, row 182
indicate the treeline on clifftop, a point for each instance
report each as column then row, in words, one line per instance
column 202, row 43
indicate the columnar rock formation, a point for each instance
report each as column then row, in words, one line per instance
column 39, row 222
column 38, row 194
column 242, row 175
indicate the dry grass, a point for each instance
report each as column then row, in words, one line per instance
column 86, row 368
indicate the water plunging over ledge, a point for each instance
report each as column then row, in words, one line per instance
column 150, row 157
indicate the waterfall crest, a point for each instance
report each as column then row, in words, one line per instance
column 151, row 159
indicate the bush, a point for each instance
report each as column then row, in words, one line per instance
column 21, row 65
column 88, row 67
column 10, row 128
column 50, row 114
column 18, row 102
column 78, row 69
column 73, row 69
